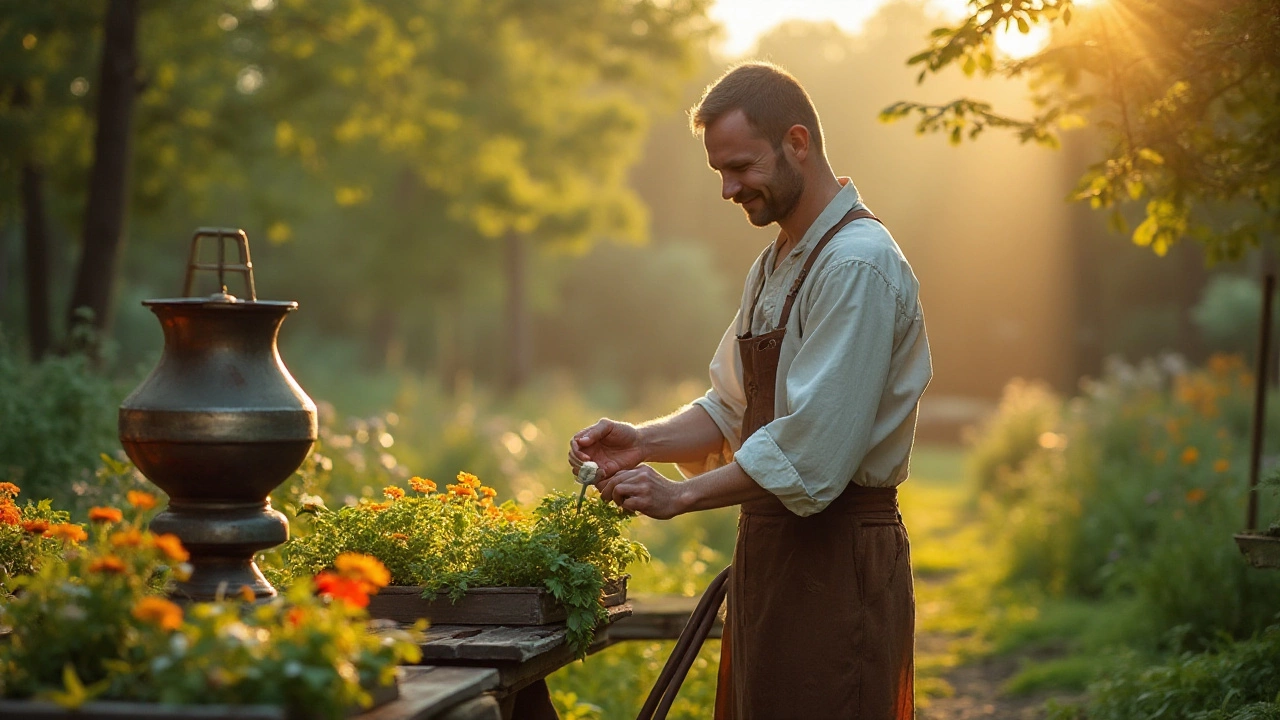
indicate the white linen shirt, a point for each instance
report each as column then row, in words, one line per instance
column 854, row 363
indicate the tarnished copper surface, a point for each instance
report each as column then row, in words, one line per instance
column 218, row 424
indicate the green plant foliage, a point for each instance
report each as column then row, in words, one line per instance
column 1135, row 496
column 1234, row 681
column 67, row 416
column 1184, row 93
column 91, row 627
column 452, row 541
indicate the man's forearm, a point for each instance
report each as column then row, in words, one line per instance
column 724, row 486
column 688, row 436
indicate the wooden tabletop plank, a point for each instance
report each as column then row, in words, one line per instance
column 504, row 643
column 429, row 691
column 658, row 617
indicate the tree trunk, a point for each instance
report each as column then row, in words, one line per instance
column 108, row 182
column 35, row 236
column 520, row 350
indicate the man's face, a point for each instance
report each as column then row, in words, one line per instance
column 753, row 173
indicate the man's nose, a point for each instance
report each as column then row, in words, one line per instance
column 729, row 186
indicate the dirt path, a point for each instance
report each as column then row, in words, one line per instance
column 977, row 689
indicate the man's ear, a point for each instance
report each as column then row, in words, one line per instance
column 797, row 138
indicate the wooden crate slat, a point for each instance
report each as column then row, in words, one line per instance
column 482, row 606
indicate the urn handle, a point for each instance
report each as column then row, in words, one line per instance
column 244, row 267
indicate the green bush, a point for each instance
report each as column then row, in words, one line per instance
column 59, row 417
column 1134, row 494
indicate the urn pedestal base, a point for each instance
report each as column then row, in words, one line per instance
column 222, row 540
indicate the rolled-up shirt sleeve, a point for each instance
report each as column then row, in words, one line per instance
column 809, row 454
column 725, row 402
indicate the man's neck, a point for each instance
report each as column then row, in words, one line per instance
column 811, row 204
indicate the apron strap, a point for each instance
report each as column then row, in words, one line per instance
column 813, row 256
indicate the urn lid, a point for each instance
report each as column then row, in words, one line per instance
column 221, row 299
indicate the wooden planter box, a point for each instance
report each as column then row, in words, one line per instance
column 420, row 692
column 1263, row 551
column 482, row 606
column 122, row 710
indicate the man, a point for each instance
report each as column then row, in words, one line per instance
column 808, row 425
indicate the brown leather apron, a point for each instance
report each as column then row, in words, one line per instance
column 821, row 612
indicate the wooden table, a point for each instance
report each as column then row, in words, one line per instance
column 426, row 693
column 523, row 657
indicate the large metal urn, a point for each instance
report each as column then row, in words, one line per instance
column 218, row 424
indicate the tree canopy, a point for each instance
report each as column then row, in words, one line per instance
column 1184, row 92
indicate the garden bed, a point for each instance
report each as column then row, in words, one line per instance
column 483, row 606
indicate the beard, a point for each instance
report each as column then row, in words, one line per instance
column 780, row 195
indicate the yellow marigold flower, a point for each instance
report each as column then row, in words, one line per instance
column 488, row 492
column 159, row 611
column 1190, row 455
column 486, row 502
column 35, row 527
column 105, row 514
column 107, row 563
column 393, row 492
column 8, row 488
column 247, row 594
column 141, row 500
column 468, row 479
column 171, row 546
column 67, row 531
column 9, row 513
column 1196, row 496
column 127, row 538
column 364, row 568
column 1221, row 465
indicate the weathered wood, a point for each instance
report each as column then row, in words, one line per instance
column 433, row 692
column 481, row 708
column 443, row 643
column 482, row 606
column 1263, row 551
column 424, row 692
column 658, row 617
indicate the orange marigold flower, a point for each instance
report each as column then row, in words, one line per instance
column 399, row 536
column 1190, row 455
column 364, row 568
column 393, row 492
column 422, row 485
column 8, row 488
column 171, row 546
column 159, row 611
column 9, row 513
column 1221, row 465
column 513, row 516
column 127, row 538
column 493, row 512
column 464, row 490
column 295, row 616
column 443, row 498
column 1196, row 496
column 488, row 492
column 67, row 531
column 105, row 514
column 35, row 527
column 141, row 500
column 107, row 563
column 340, row 588
column 247, row 594
column 486, row 502
column 468, row 479
column 377, row 506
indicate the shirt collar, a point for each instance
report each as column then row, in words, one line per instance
column 844, row 201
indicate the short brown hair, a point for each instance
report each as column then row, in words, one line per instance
column 770, row 97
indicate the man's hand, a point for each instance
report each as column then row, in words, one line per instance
column 614, row 446
column 644, row 490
